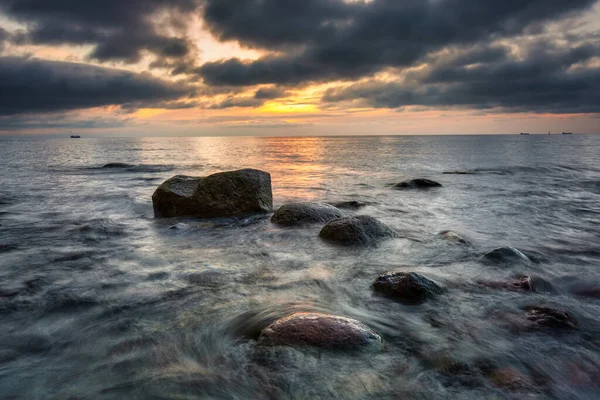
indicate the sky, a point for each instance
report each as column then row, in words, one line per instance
column 290, row 67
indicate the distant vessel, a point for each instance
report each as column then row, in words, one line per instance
column 567, row 133
column 524, row 133
column 75, row 137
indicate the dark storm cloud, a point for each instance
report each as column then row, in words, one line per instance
column 119, row 29
column 270, row 93
column 31, row 85
column 332, row 40
column 550, row 78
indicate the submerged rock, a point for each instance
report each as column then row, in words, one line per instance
column 294, row 214
column 320, row 330
column 546, row 317
column 588, row 291
column 360, row 230
column 458, row 173
column 453, row 237
column 117, row 165
column 419, row 183
column 505, row 255
column 523, row 283
column 407, row 286
column 350, row 205
column 226, row 194
column 508, row 378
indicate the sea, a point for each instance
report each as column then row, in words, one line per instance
column 100, row 300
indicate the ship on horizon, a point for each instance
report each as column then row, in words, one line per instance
column 524, row 133
column 75, row 137
column 567, row 133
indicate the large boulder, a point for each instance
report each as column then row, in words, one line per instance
column 505, row 255
column 320, row 330
column 419, row 183
column 294, row 214
column 407, row 286
column 360, row 230
column 226, row 194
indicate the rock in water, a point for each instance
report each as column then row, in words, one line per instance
column 226, row 194
column 407, row 286
column 294, row 214
column 522, row 283
column 419, row 183
column 320, row 330
column 546, row 317
column 360, row 230
column 454, row 237
column 350, row 205
column 505, row 255
column 117, row 165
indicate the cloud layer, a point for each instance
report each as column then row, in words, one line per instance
column 509, row 56
column 31, row 85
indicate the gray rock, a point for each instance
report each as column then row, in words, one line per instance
column 453, row 237
column 505, row 255
column 295, row 214
column 419, row 183
column 226, row 194
column 407, row 286
column 320, row 330
column 360, row 230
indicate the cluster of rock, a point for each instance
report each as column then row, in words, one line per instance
column 248, row 191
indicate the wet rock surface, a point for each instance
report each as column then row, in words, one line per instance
column 407, row 286
column 350, row 205
column 505, row 255
column 523, row 283
column 117, row 165
column 295, row 214
column 453, row 237
column 226, row 194
column 320, row 330
column 547, row 317
column 360, row 230
column 419, row 183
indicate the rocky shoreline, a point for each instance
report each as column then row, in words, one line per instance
column 248, row 192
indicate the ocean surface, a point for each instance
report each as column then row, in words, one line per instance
column 100, row 300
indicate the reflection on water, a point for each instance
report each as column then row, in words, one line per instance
column 100, row 300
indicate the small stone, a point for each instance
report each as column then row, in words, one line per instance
column 117, row 165
column 407, row 286
column 360, row 230
column 453, row 237
column 295, row 214
column 419, row 183
column 546, row 317
column 505, row 255
column 508, row 378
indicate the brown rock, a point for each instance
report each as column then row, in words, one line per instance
column 319, row 330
